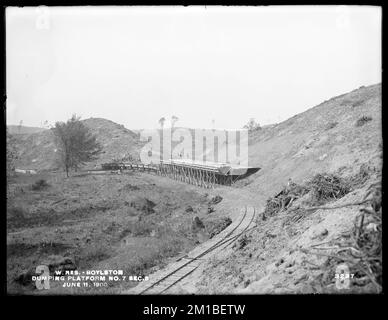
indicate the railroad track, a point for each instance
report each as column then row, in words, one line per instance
column 184, row 266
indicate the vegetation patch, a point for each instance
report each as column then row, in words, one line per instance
column 363, row 120
column 215, row 226
column 40, row 185
column 331, row 125
column 129, row 187
column 143, row 205
column 215, row 200
column 16, row 213
column 252, row 125
column 242, row 242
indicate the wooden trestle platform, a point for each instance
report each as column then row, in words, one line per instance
column 205, row 174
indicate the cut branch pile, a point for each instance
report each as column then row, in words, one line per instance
column 361, row 250
column 284, row 199
column 325, row 187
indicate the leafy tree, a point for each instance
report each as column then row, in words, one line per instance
column 174, row 119
column 75, row 144
column 252, row 125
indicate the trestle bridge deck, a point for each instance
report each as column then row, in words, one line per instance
column 202, row 174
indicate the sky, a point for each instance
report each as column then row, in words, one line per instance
column 209, row 66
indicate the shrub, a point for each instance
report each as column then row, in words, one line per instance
column 364, row 119
column 40, row 184
column 242, row 242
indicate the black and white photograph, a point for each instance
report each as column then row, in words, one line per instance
column 193, row 150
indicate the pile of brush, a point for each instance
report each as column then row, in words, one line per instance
column 325, row 187
column 284, row 199
column 273, row 206
column 360, row 250
column 367, row 240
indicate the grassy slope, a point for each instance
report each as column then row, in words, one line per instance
column 91, row 219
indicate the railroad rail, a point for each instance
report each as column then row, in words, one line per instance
column 184, row 266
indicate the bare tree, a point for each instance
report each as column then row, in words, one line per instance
column 75, row 144
column 161, row 122
column 173, row 120
column 46, row 125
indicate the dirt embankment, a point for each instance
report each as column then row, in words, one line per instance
column 298, row 247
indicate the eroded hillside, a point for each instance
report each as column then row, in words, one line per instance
column 299, row 242
column 324, row 138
